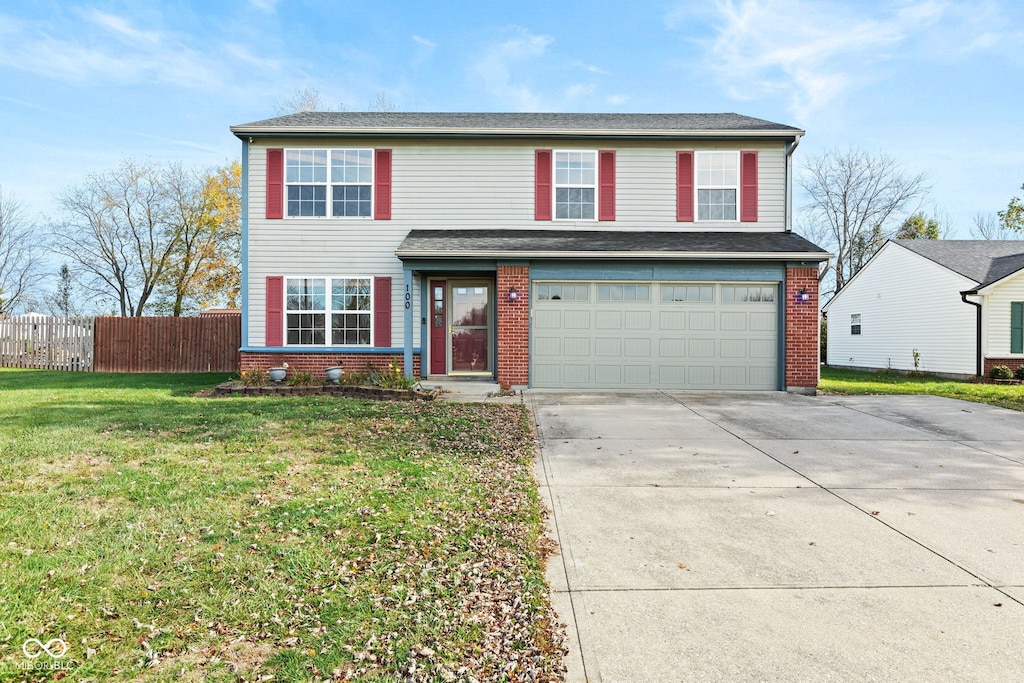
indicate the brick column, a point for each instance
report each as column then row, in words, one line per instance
column 802, row 362
column 513, row 326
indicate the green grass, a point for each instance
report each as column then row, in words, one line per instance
column 167, row 536
column 836, row 381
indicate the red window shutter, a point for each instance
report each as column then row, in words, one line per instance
column 606, row 181
column 382, row 312
column 275, row 310
column 275, row 183
column 748, row 187
column 684, row 187
column 382, row 184
column 542, row 186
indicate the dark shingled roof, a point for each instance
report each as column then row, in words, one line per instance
column 512, row 123
column 607, row 244
column 984, row 261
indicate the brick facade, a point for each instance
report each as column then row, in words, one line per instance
column 318, row 362
column 802, row 362
column 1012, row 363
column 513, row 327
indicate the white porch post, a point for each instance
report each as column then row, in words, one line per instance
column 407, row 305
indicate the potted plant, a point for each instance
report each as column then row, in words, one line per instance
column 277, row 374
column 334, row 374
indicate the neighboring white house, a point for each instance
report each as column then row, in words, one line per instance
column 957, row 304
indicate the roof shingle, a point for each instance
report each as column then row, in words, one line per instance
column 984, row 261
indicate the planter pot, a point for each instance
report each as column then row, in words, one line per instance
column 277, row 374
column 334, row 374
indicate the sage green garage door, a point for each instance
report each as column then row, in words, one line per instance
column 668, row 335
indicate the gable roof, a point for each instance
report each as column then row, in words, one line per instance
column 515, row 125
column 501, row 243
column 984, row 261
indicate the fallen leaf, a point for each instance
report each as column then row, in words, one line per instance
column 875, row 512
column 682, row 566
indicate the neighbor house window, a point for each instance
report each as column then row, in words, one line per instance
column 855, row 323
column 575, row 185
column 328, row 311
column 718, row 180
column 329, row 182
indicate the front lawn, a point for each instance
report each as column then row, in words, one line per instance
column 163, row 536
column 835, row 381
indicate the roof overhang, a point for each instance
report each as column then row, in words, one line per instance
column 260, row 132
column 614, row 245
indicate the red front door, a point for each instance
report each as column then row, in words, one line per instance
column 438, row 328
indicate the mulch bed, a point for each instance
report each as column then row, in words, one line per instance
column 346, row 390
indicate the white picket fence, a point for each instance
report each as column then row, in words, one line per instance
column 47, row 343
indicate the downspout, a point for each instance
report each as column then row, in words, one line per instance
column 978, row 364
column 790, row 148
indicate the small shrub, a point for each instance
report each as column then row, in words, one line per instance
column 301, row 378
column 1000, row 372
column 357, row 379
column 254, row 377
column 391, row 378
column 1019, row 374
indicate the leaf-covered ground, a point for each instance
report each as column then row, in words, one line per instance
column 168, row 537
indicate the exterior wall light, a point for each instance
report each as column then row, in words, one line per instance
column 513, row 294
column 803, row 296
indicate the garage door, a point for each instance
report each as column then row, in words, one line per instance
column 670, row 335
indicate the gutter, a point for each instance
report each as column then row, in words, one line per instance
column 963, row 297
column 244, row 131
column 706, row 255
column 790, row 148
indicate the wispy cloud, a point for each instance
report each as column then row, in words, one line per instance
column 814, row 51
column 268, row 6
column 424, row 49
column 501, row 68
column 121, row 26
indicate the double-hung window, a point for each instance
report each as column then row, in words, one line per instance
column 575, row 185
column 332, row 311
column 329, row 182
column 718, row 179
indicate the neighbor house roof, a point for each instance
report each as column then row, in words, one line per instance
column 607, row 244
column 984, row 261
column 514, row 124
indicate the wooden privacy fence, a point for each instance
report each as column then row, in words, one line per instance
column 47, row 343
column 203, row 344
column 208, row 343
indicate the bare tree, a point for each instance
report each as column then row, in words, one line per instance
column 987, row 226
column 382, row 103
column 856, row 202
column 119, row 231
column 304, row 99
column 19, row 256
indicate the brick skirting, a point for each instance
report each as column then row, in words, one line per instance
column 318, row 362
column 1012, row 363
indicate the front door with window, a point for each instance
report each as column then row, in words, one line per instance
column 461, row 321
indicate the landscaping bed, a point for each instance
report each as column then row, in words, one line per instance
column 233, row 388
column 162, row 537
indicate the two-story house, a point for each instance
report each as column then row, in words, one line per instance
column 542, row 250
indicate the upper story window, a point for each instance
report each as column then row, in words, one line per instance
column 329, row 182
column 718, row 180
column 575, row 185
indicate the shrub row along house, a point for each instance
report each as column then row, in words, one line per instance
column 961, row 313
column 543, row 250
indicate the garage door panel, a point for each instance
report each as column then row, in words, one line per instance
column 638, row 320
column 637, row 348
column 577, row 320
column 670, row 321
column 734, row 321
column 577, row 346
column 665, row 338
column 608, row 320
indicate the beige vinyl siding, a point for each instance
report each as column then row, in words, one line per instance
column 906, row 302
column 996, row 322
column 453, row 184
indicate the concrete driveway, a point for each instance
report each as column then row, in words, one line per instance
column 775, row 537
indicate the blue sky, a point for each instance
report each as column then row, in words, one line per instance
column 935, row 84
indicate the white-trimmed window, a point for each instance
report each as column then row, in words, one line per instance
column 575, row 185
column 718, row 182
column 329, row 182
column 328, row 311
column 855, row 323
column 744, row 294
column 688, row 293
